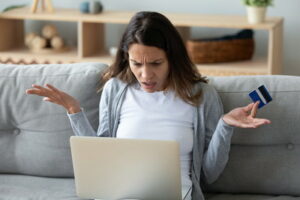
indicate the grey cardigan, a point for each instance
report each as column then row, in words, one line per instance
column 212, row 135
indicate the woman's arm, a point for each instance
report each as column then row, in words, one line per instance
column 81, row 125
column 79, row 122
column 54, row 95
column 217, row 136
column 219, row 130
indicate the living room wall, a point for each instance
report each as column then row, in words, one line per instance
column 287, row 9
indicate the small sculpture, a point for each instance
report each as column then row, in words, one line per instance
column 57, row 42
column 29, row 38
column 49, row 41
column 92, row 7
column 46, row 5
column 84, row 7
column 95, row 7
column 49, row 31
column 38, row 43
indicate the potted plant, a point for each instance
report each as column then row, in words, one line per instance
column 256, row 10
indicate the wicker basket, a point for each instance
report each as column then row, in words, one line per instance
column 220, row 50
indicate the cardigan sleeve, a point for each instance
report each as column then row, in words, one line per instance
column 81, row 125
column 217, row 136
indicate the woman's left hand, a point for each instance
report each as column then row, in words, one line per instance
column 244, row 117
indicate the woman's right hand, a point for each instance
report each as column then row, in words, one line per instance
column 56, row 96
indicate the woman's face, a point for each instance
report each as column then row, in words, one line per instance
column 150, row 66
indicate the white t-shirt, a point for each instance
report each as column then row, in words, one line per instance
column 159, row 116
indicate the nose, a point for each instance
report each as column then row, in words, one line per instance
column 146, row 72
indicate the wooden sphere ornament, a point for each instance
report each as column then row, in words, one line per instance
column 57, row 42
column 38, row 43
column 49, row 31
column 29, row 38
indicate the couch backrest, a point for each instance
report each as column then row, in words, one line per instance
column 267, row 159
column 34, row 134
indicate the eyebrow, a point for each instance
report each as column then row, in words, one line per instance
column 154, row 61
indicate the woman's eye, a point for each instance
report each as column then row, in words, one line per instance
column 137, row 64
column 156, row 64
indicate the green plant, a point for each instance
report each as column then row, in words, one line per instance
column 13, row 7
column 258, row 3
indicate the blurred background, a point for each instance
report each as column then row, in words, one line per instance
column 288, row 9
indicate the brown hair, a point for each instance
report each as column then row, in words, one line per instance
column 154, row 29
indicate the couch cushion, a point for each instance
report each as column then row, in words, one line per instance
column 264, row 160
column 21, row 187
column 247, row 197
column 34, row 134
column 282, row 111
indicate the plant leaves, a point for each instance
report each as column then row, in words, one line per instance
column 13, row 7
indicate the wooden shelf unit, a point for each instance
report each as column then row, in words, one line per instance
column 91, row 38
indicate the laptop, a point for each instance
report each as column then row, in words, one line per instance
column 118, row 168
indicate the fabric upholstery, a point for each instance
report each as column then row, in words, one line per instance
column 35, row 159
column 22, row 187
column 248, row 197
column 34, row 134
column 263, row 160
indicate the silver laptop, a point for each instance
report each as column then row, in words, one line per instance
column 114, row 168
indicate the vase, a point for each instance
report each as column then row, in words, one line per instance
column 84, row 7
column 95, row 7
column 256, row 15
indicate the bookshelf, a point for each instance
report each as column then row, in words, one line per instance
column 91, row 38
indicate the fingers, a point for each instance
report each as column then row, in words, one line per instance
column 254, row 109
column 248, row 107
column 257, row 122
column 37, row 90
column 49, row 99
column 55, row 93
column 260, row 121
column 42, row 91
column 52, row 88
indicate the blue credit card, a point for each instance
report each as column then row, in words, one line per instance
column 262, row 95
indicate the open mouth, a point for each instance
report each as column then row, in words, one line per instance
column 148, row 85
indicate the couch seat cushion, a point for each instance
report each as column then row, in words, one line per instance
column 247, row 197
column 34, row 135
column 22, row 187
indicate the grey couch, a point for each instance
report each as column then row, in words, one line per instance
column 264, row 163
column 35, row 159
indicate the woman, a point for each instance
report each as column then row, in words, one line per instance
column 154, row 91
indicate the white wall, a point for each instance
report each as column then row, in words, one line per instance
column 289, row 9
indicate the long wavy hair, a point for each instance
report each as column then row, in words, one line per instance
column 154, row 29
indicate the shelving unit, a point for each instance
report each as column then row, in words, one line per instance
column 91, row 38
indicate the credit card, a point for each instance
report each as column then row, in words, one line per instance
column 262, row 95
